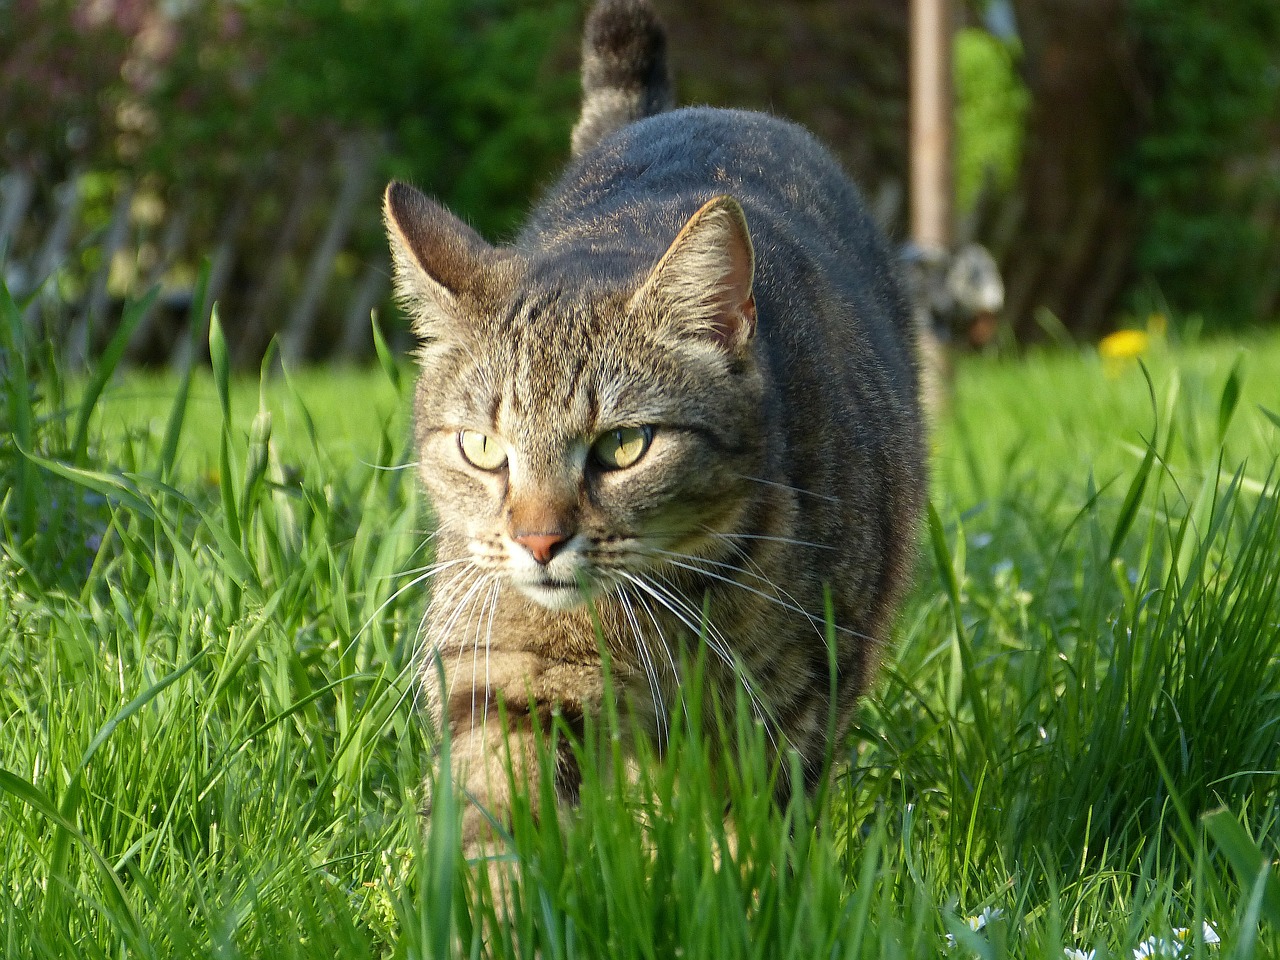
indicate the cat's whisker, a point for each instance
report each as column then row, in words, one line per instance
column 762, row 536
column 410, row 689
column 649, row 673
column 429, row 569
column 720, row 644
column 819, row 623
column 666, row 649
column 390, row 469
column 488, row 644
column 787, row 486
column 420, row 576
column 425, row 537
column 791, row 604
column 417, row 652
column 423, row 638
column 708, row 632
column 475, row 585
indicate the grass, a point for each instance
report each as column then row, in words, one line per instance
column 210, row 746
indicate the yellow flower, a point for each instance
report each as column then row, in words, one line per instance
column 1123, row 344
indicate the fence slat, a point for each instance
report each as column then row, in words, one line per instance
column 171, row 244
column 358, row 156
column 370, row 291
column 80, row 337
column 224, row 258
column 257, row 328
column 17, row 188
column 57, row 241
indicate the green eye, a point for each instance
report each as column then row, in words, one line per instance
column 481, row 451
column 619, row 449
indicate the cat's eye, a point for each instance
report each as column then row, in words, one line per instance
column 621, row 448
column 481, row 451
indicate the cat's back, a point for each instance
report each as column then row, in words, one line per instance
column 827, row 291
column 651, row 175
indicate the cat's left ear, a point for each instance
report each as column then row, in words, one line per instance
column 436, row 259
column 701, row 287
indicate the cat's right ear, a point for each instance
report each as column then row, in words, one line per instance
column 436, row 258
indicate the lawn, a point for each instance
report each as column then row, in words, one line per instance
column 210, row 744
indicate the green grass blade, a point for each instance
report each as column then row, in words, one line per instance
column 106, row 366
column 33, row 797
column 178, row 411
column 20, row 416
column 133, row 706
column 1230, row 397
column 109, row 485
column 1132, row 501
column 1246, row 859
column 221, row 364
column 385, row 357
column 951, row 583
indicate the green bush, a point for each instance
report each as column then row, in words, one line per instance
column 991, row 109
column 1213, row 74
column 467, row 99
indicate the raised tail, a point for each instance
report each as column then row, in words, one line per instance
column 624, row 70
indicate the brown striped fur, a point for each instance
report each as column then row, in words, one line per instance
column 713, row 276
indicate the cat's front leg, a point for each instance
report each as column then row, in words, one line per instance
column 500, row 730
column 491, row 763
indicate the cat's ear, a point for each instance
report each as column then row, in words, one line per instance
column 702, row 285
column 435, row 257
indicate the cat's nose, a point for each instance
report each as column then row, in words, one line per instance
column 543, row 546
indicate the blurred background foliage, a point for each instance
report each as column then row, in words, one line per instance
column 471, row 98
column 1209, row 152
column 1118, row 156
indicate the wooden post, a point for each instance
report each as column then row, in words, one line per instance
column 931, row 108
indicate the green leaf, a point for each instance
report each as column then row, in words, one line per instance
column 1230, row 396
column 110, row 485
column 1132, row 500
column 1246, row 859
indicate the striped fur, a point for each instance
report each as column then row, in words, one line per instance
column 624, row 70
column 710, row 276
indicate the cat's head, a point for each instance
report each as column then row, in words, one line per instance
column 579, row 425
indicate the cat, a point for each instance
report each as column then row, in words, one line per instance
column 681, row 405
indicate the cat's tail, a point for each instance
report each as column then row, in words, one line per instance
column 624, row 70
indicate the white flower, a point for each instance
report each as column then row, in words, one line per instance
column 1071, row 953
column 1207, row 933
column 986, row 916
column 976, row 923
column 1156, row 947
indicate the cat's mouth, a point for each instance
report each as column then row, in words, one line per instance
column 552, row 593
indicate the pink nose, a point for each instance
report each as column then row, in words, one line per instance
column 543, row 546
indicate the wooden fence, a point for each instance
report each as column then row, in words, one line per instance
column 299, row 254
column 295, row 254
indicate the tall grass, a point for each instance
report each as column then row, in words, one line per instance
column 211, row 745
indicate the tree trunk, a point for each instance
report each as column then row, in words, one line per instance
column 1084, row 115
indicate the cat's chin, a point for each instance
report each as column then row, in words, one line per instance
column 554, row 596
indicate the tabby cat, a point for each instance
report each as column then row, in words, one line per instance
column 683, row 402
